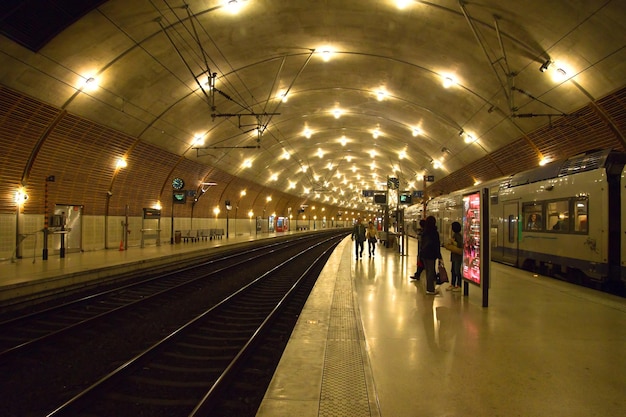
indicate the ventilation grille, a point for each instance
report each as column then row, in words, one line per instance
column 587, row 162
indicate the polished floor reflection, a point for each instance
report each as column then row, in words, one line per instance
column 541, row 348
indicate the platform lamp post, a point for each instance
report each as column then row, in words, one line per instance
column 44, row 256
column 20, row 198
column 216, row 211
column 267, row 201
column 250, row 214
column 228, row 209
column 241, row 195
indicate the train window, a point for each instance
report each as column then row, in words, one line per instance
column 558, row 216
column 580, row 221
column 532, row 215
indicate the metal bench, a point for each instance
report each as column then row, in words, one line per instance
column 204, row 234
column 187, row 235
column 216, row 233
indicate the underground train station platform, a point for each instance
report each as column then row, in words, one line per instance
column 371, row 342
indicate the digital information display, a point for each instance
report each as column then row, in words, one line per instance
column 471, row 237
column 179, row 197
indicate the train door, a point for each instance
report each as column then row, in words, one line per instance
column 508, row 241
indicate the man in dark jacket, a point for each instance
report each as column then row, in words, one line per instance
column 430, row 252
column 419, row 263
column 358, row 235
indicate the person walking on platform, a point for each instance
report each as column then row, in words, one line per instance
column 372, row 237
column 420, row 264
column 455, row 246
column 358, row 236
column 430, row 252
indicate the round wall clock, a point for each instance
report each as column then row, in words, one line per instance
column 178, row 183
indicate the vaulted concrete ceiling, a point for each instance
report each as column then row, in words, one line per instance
column 326, row 98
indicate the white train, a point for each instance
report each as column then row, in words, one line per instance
column 566, row 219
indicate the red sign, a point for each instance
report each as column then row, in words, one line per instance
column 471, row 238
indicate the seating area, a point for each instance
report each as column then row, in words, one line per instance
column 201, row 234
column 388, row 239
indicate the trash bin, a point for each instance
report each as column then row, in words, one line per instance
column 177, row 236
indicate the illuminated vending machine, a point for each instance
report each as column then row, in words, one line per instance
column 475, row 266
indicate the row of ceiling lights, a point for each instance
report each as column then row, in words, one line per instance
column 381, row 94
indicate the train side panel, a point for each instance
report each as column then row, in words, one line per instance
column 570, row 235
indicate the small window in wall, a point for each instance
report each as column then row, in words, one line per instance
column 533, row 220
column 558, row 216
column 581, row 215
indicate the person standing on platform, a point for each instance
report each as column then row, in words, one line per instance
column 455, row 246
column 358, row 236
column 430, row 252
column 372, row 237
column 420, row 264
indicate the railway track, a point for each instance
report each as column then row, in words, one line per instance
column 216, row 323
column 39, row 327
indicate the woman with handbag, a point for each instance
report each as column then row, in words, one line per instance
column 372, row 238
column 430, row 252
column 455, row 246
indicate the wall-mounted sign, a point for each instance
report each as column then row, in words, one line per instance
column 405, row 198
column 150, row 213
column 380, row 199
column 179, row 197
column 429, row 178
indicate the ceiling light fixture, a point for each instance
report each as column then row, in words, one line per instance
column 90, row 84
column 233, row 6
column 401, row 4
column 448, row 82
column 326, row 53
column 544, row 161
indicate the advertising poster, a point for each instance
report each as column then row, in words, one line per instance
column 471, row 238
